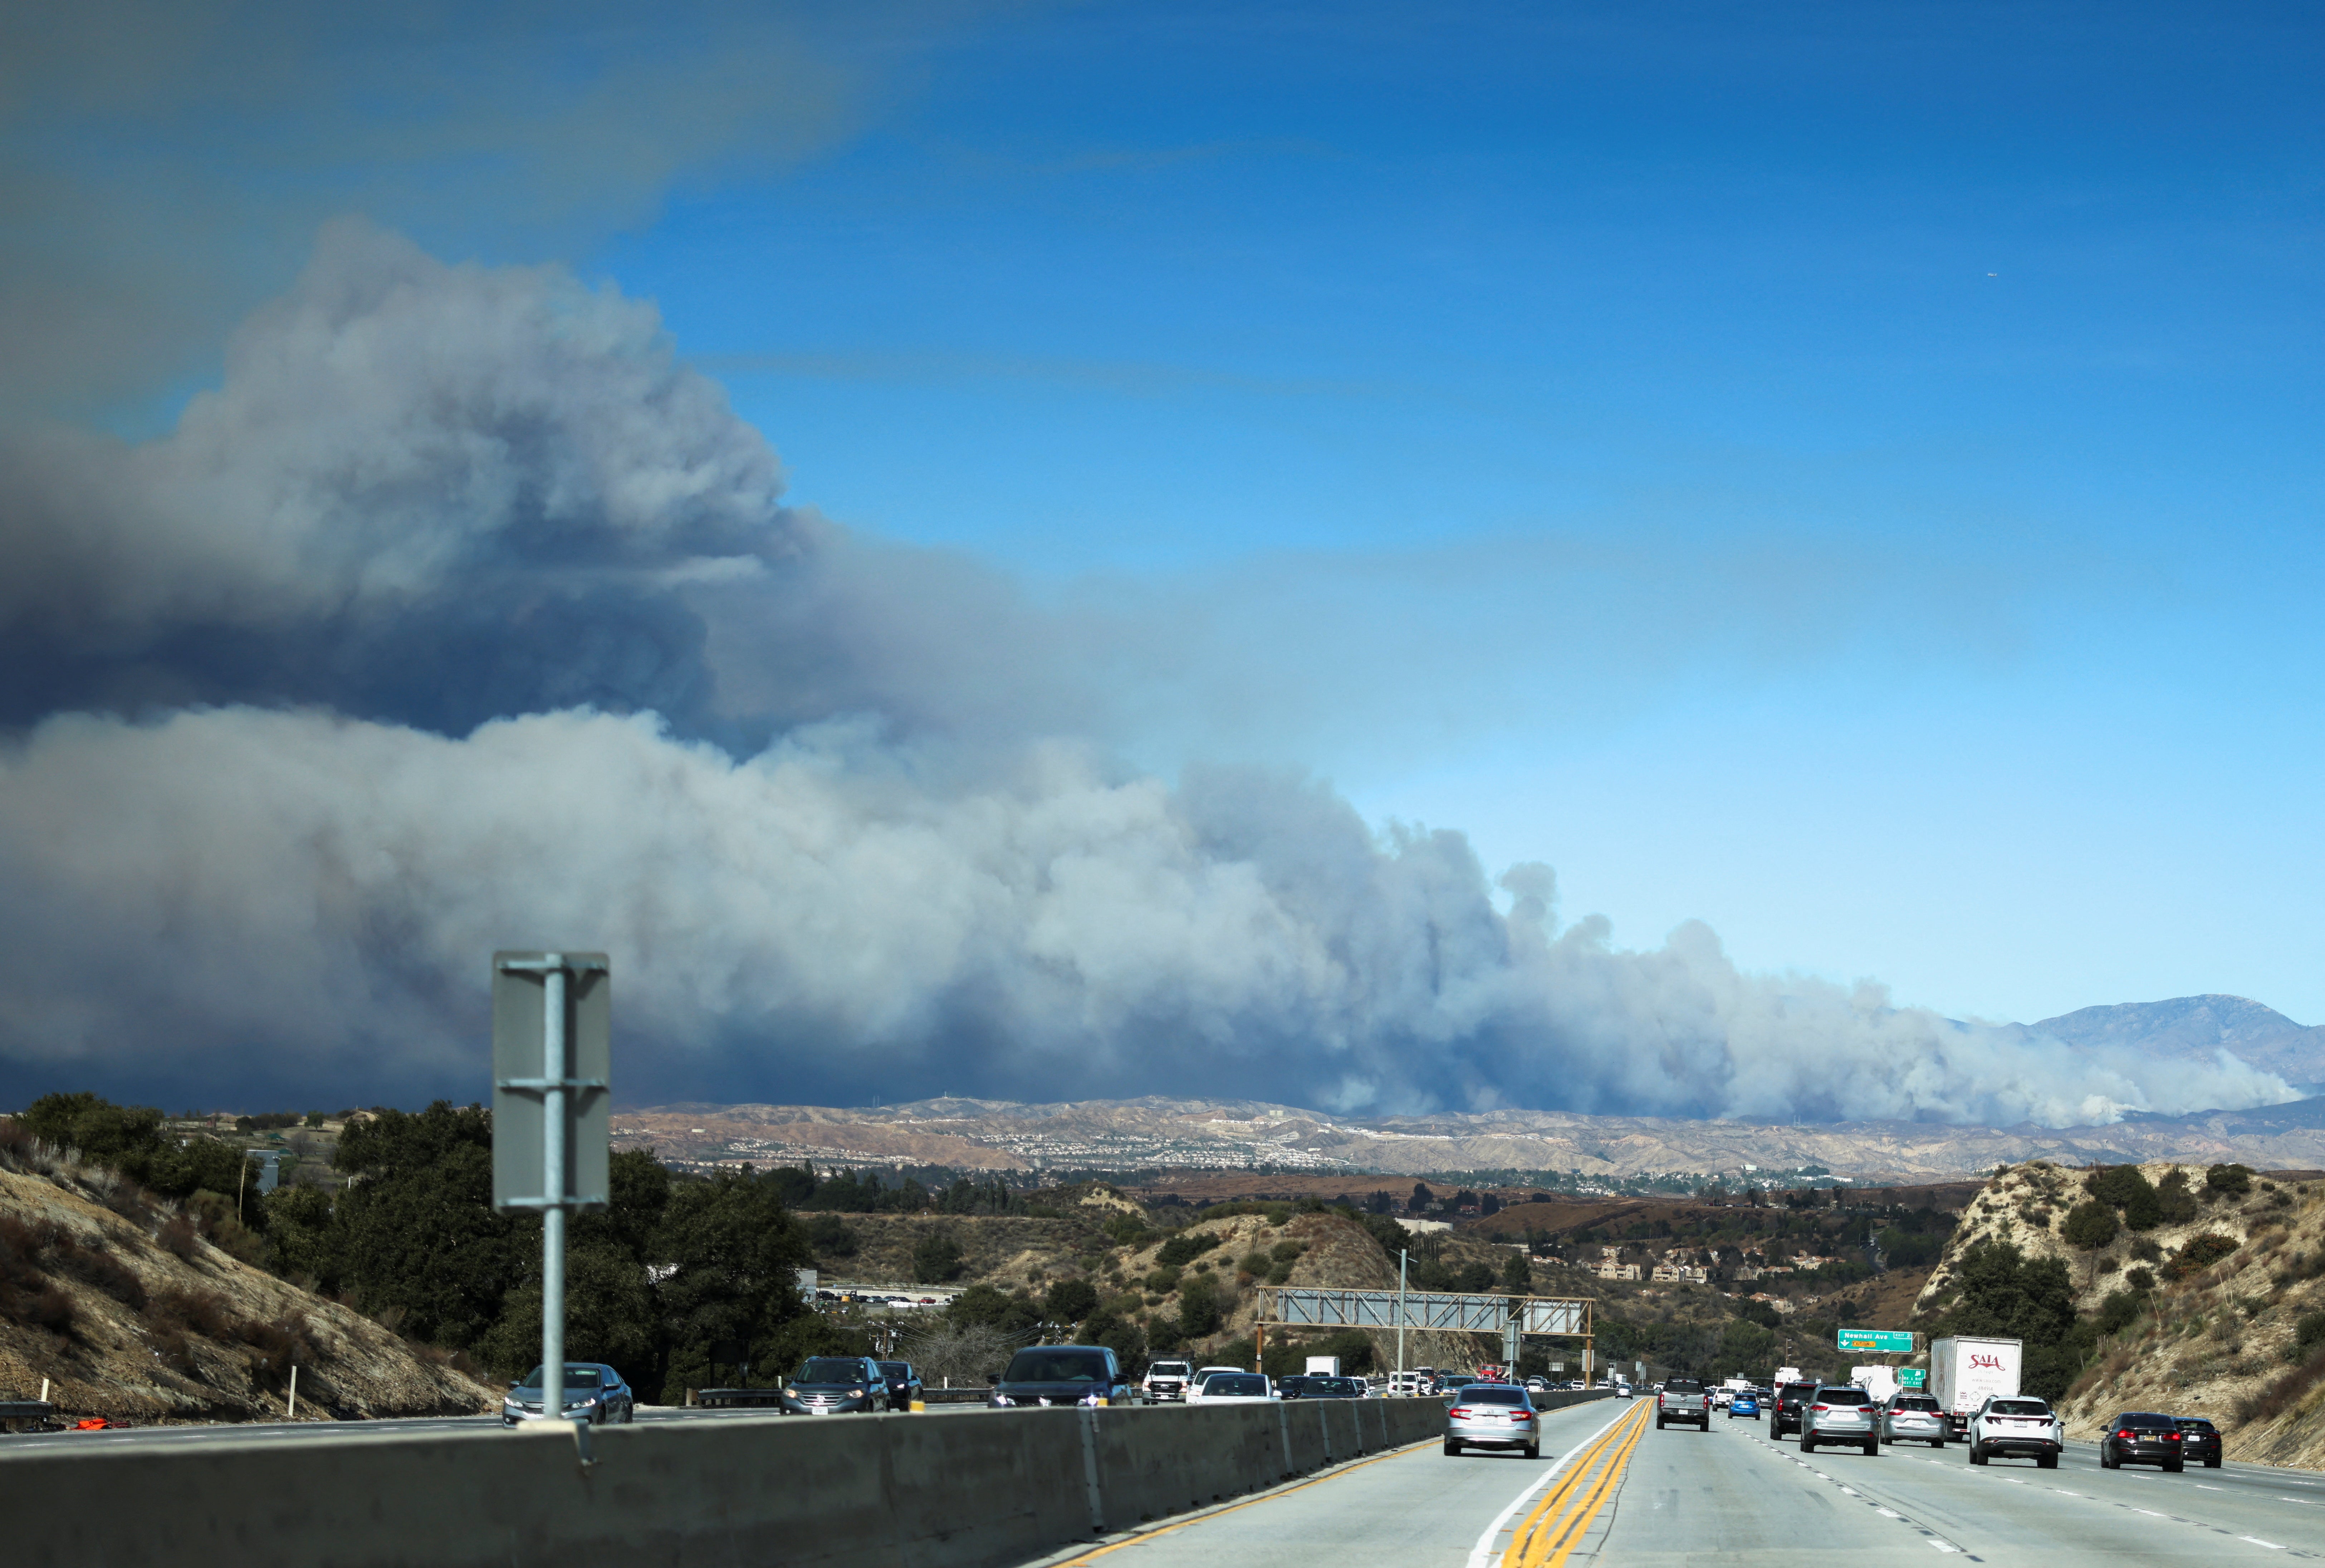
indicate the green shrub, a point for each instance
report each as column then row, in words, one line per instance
column 1254, row 1262
column 2176, row 1203
column 1186, row 1246
column 2200, row 1253
column 2228, row 1181
column 2118, row 1311
column 1285, row 1251
column 2307, row 1334
column 2145, row 1250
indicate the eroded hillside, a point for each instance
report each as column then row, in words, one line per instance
column 129, row 1312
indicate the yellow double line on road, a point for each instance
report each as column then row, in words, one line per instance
column 1548, row 1535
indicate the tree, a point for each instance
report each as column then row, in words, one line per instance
column 2228, row 1181
column 1422, row 1197
column 1072, row 1300
column 936, row 1257
column 1517, row 1274
column 2089, row 1225
column 1474, row 1278
column 1199, row 1306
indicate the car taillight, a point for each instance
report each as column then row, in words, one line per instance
column 1458, row 1412
column 2125, row 1435
column 1818, row 1410
column 2171, row 1438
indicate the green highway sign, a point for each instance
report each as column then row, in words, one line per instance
column 1880, row 1340
column 1912, row 1377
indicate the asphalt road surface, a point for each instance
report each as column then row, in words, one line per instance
column 1611, row 1489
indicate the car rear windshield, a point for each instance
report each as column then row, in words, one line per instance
column 2144, row 1421
column 1915, row 1402
column 1492, row 1393
column 1843, row 1397
column 832, row 1369
column 1051, row 1366
column 1794, row 1389
column 896, row 1368
column 1236, row 1383
column 2018, row 1407
column 1682, row 1386
column 1168, row 1370
column 2194, row 1423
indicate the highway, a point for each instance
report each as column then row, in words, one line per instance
column 1610, row 1488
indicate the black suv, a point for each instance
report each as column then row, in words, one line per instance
column 2141, row 1437
column 1785, row 1415
column 904, row 1384
column 1061, row 1375
column 2200, row 1439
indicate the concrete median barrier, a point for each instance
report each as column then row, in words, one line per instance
column 987, row 1488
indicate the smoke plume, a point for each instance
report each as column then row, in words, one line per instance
column 461, row 614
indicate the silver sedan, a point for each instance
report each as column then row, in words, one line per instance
column 1493, row 1416
column 1914, row 1418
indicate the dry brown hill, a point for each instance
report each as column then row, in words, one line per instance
column 128, row 1313
column 2212, row 1308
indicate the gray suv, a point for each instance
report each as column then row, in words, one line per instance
column 1840, row 1413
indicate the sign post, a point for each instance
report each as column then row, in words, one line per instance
column 551, row 1053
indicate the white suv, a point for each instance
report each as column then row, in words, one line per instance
column 2015, row 1427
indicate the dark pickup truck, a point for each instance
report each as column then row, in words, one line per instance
column 1683, row 1399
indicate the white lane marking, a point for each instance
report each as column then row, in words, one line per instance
column 2151, row 1513
column 2200, row 1486
column 1888, row 1514
column 2063, row 1492
column 1483, row 1551
column 2257, row 1541
column 1945, row 1545
column 1851, row 1492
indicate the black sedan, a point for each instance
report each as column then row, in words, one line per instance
column 594, row 1392
column 2141, row 1437
column 2200, row 1439
column 904, row 1384
column 835, row 1386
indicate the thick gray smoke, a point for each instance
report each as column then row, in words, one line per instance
column 462, row 616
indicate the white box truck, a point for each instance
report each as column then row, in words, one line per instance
column 1323, row 1366
column 1965, row 1373
column 1881, row 1382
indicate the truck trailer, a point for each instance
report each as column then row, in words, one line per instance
column 1965, row 1373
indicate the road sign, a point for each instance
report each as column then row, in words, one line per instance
column 536, row 1067
column 1880, row 1340
column 1912, row 1377
column 552, row 1048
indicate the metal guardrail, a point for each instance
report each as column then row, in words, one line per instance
column 16, row 1410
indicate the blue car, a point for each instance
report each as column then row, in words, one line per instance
column 1743, row 1403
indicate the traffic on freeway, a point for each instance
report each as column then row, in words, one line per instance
column 1611, row 1487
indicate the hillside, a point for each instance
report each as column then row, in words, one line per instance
column 130, row 1314
column 2217, row 1309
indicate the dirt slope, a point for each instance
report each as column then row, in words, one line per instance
column 131, row 1314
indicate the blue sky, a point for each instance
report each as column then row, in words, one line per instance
column 2002, row 321
column 1849, row 473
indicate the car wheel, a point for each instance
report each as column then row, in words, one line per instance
column 1451, row 1448
column 2048, row 1461
column 1806, row 1446
column 1937, row 1443
column 2106, row 1460
column 2174, row 1466
column 2212, row 1464
column 1977, row 1452
column 1533, row 1451
column 1659, row 1424
column 1872, row 1451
